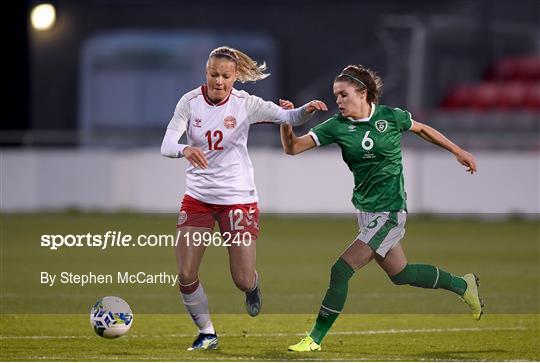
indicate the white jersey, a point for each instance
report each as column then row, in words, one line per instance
column 221, row 131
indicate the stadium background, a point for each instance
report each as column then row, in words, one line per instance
column 81, row 154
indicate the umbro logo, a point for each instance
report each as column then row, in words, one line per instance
column 197, row 122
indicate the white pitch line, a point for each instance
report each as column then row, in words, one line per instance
column 7, row 337
column 217, row 358
column 429, row 330
column 357, row 332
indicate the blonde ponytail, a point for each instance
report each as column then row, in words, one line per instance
column 248, row 69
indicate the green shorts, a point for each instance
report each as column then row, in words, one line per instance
column 381, row 230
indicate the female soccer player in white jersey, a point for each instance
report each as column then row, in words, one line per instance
column 219, row 179
column 369, row 136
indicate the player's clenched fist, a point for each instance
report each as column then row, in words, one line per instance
column 196, row 157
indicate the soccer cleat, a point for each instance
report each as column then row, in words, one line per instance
column 307, row 344
column 471, row 296
column 254, row 301
column 205, row 342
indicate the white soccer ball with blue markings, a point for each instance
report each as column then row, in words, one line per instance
column 111, row 317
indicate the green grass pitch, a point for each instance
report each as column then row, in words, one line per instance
column 380, row 322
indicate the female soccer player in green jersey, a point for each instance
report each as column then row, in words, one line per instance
column 369, row 136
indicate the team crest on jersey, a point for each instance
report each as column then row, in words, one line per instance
column 182, row 217
column 197, row 122
column 381, row 125
column 229, row 122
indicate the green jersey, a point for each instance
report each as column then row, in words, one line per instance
column 371, row 148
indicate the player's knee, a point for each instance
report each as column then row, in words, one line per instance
column 187, row 276
column 335, row 271
column 403, row 277
column 244, row 281
column 341, row 271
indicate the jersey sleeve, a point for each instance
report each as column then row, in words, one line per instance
column 403, row 119
column 176, row 128
column 323, row 133
column 259, row 110
column 181, row 115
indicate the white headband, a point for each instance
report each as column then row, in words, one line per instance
column 225, row 55
column 353, row 78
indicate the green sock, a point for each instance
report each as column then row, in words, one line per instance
column 429, row 277
column 334, row 300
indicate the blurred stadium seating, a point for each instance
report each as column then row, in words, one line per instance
column 511, row 84
column 502, row 108
column 523, row 68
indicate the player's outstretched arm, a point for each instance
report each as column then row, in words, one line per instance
column 292, row 144
column 299, row 116
column 428, row 133
column 286, row 104
column 288, row 139
column 311, row 106
column 315, row 105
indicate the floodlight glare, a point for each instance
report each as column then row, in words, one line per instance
column 43, row 16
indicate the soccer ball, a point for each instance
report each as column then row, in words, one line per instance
column 111, row 317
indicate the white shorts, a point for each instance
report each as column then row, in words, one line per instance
column 381, row 230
